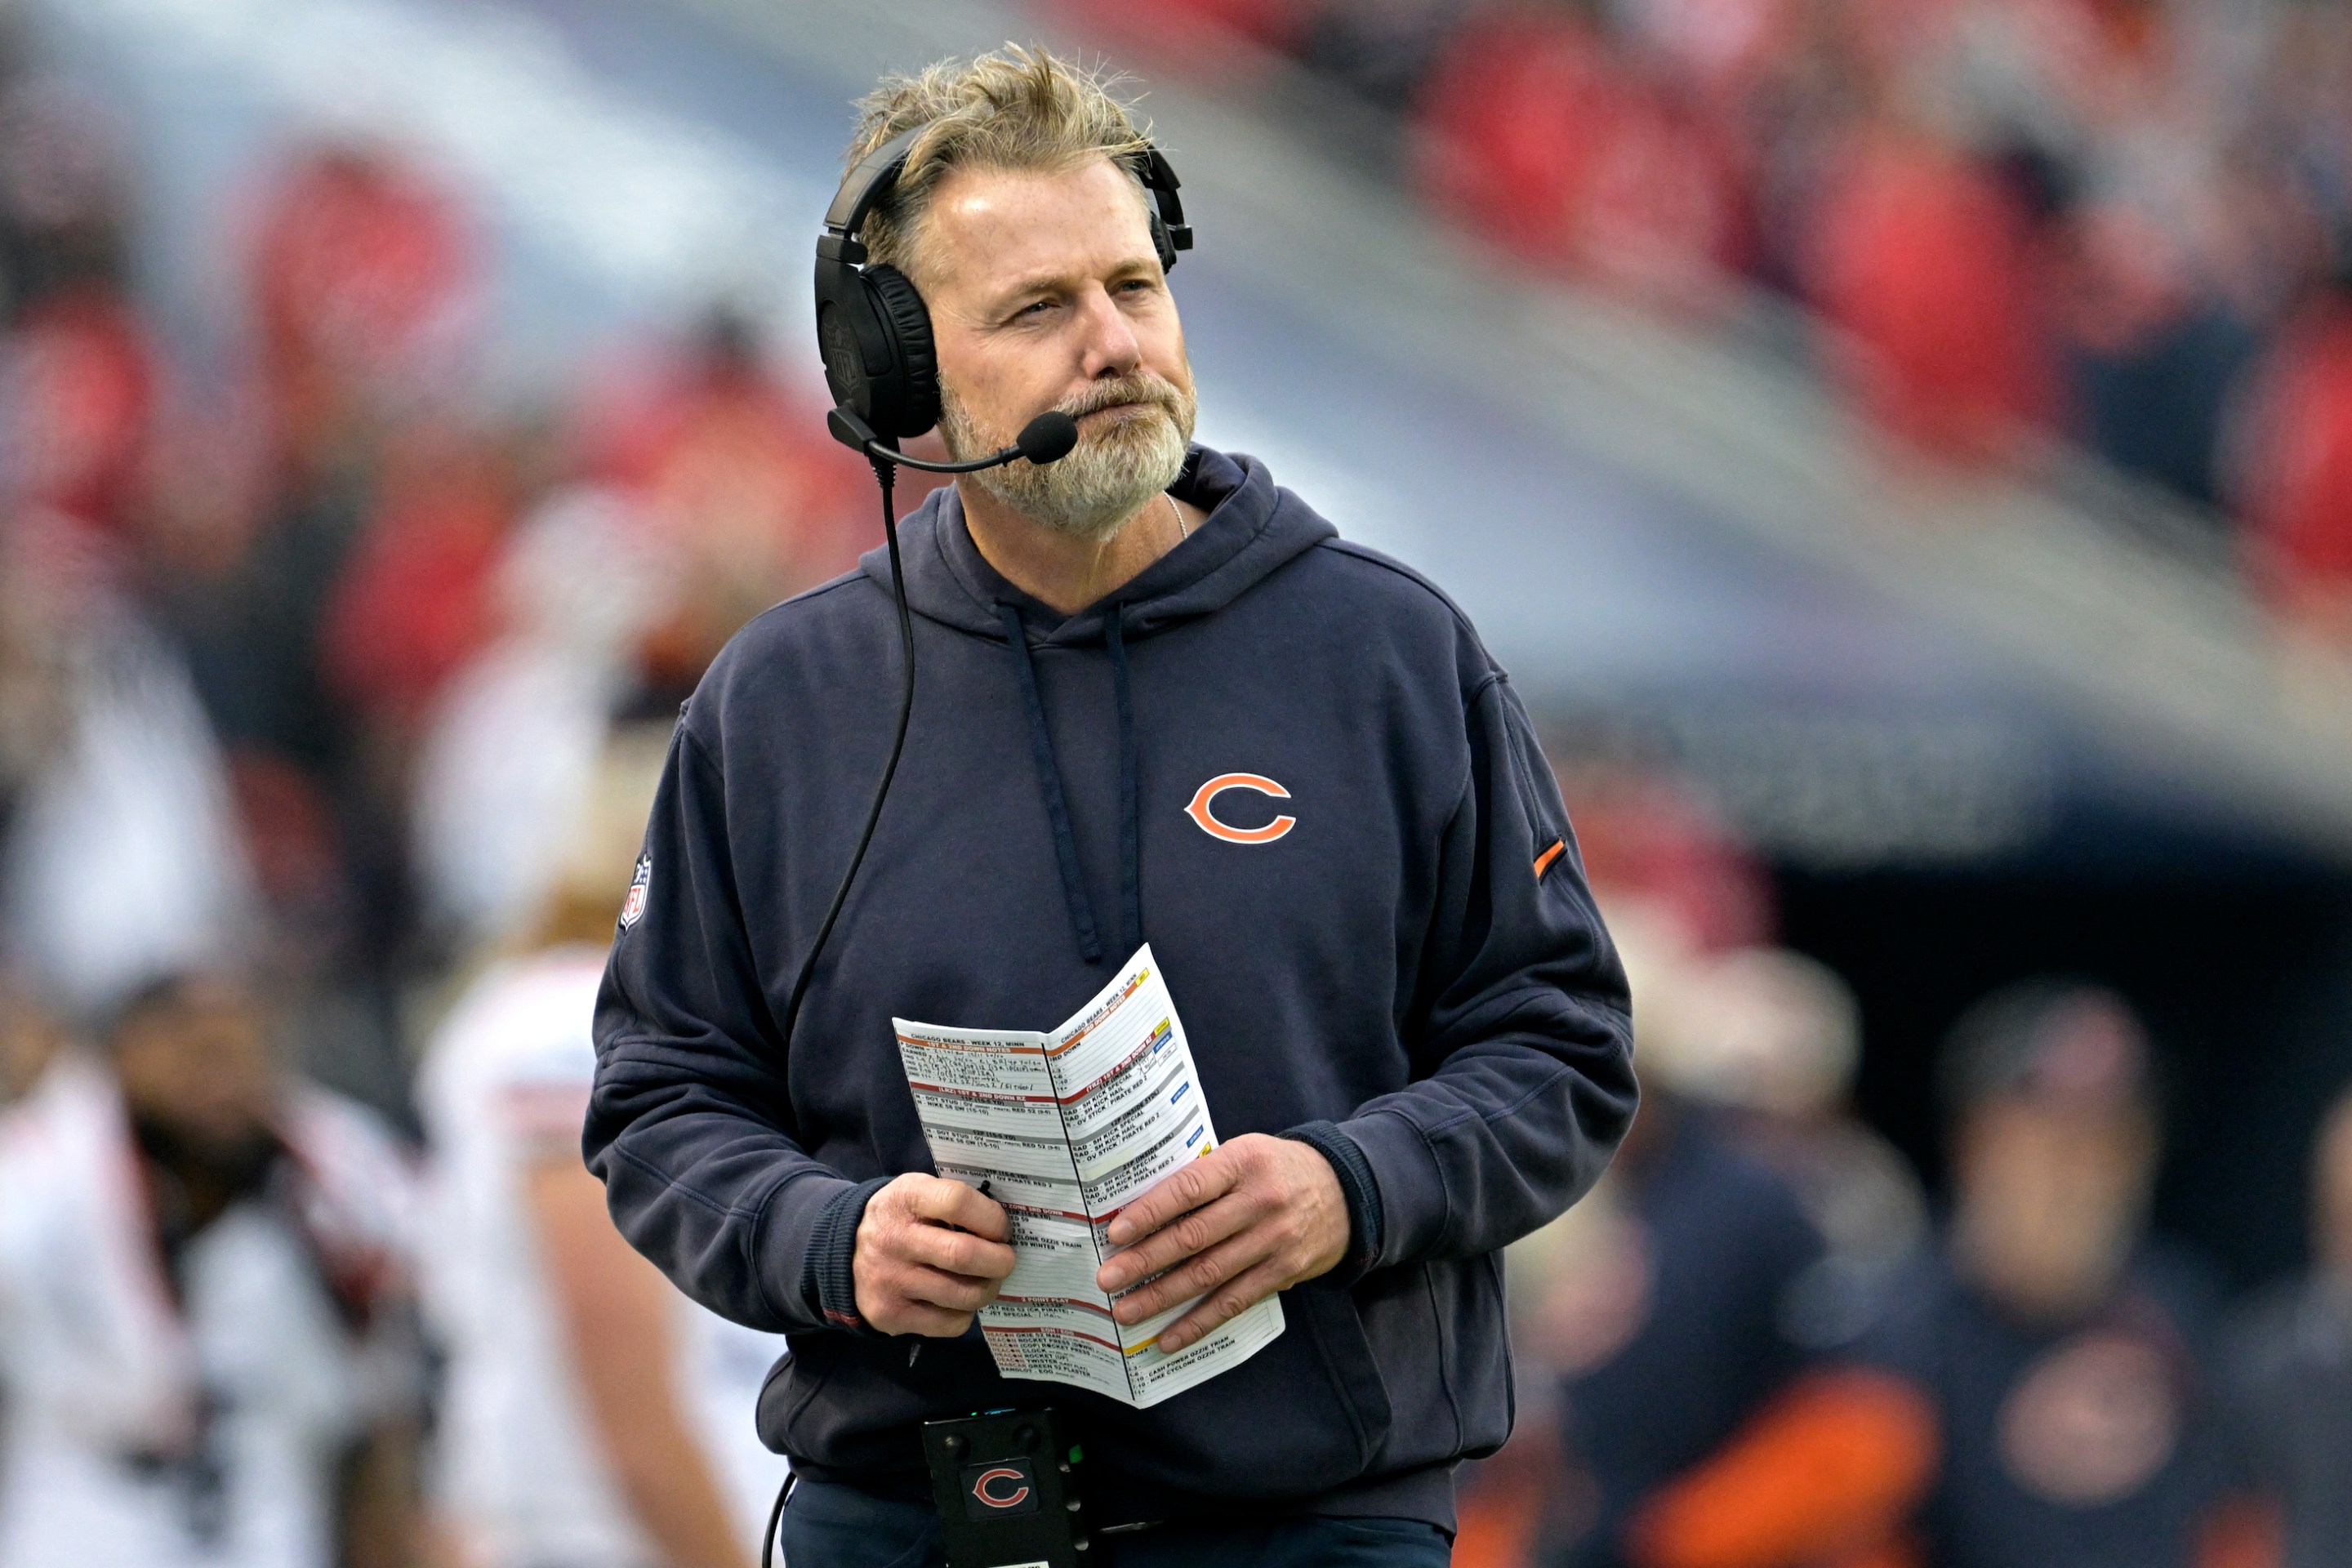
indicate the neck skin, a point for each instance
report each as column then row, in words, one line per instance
column 1068, row 572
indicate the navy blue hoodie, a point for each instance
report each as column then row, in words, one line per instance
column 1411, row 976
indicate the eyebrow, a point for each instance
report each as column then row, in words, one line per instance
column 1053, row 281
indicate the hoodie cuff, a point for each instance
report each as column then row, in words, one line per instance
column 828, row 1280
column 1361, row 1190
column 1411, row 1185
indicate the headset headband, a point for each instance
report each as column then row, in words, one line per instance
column 871, row 182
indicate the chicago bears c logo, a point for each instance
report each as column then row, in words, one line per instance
column 990, row 1487
column 1200, row 811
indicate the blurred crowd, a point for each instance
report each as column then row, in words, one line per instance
column 332, row 693
column 331, row 699
column 2128, row 223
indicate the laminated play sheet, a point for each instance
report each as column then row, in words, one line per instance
column 1065, row 1127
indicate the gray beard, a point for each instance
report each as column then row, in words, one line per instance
column 1107, row 479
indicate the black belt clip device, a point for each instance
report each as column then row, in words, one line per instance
column 1007, row 1485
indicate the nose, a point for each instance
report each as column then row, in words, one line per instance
column 1108, row 343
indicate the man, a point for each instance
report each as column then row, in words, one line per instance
column 1653, row 1318
column 1672, row 1329
column 589, row 1415
column 1405, row 1013
column 207, row 1350
column 1772, row 1039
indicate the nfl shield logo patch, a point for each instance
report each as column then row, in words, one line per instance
column 634, row 905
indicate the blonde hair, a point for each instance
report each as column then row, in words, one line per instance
column 1017, row 108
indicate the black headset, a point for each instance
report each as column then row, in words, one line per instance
column 873, row 329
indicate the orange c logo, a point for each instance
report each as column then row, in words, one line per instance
column 1199, row 810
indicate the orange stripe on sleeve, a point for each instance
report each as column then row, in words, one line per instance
column 1544, row 860
column 1824, row 1472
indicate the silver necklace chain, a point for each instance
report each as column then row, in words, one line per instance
column 1183, row 529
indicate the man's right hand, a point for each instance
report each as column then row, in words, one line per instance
column 930, row 1253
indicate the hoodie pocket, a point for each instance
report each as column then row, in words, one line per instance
column 1345, row 1351
column 1486, row 1381
column 799, row 1376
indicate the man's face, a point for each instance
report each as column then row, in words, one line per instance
column 198, row 1063
column 2052, row 1200
column 1046, row 293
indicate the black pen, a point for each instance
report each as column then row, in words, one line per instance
column 916, row 1349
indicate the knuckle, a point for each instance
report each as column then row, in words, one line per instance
column 1200, row 1274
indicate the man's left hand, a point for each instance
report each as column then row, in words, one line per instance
column 1256, row 1216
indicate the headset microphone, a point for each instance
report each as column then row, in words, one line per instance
column 1048, row 439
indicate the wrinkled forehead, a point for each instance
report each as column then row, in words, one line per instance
column 986, row 227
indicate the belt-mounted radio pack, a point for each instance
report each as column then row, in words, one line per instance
column 1005, row 1482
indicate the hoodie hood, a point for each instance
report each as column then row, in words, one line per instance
column 1254, row 528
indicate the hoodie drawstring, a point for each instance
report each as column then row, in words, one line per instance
column 1130, row 784
column 1049, row 783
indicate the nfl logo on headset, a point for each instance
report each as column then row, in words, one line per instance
column 635, row 904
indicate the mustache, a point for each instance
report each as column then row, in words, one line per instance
column 1147, row 389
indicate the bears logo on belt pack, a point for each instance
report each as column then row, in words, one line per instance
column 1002, row 1487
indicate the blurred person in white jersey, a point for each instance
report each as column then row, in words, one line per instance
column 593, row 1417
column 207, row 1354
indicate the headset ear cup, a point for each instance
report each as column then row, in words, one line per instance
column 909, row 325
column 846, row 324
